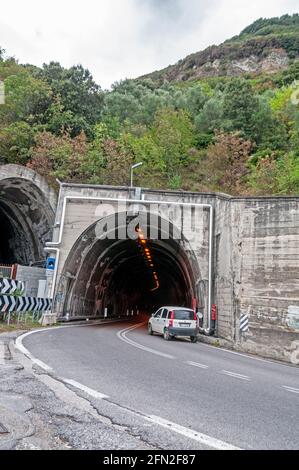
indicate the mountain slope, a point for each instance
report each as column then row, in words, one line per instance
column 267, row 45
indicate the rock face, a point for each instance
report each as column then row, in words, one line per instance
column 220, row 61
column 276, row 60
column 266, row 46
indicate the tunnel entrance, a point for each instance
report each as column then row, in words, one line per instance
column 122, row 275
column 26, row 220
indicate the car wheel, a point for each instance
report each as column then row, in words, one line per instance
column 166, row 335
column 150, row 330
column 193, row 339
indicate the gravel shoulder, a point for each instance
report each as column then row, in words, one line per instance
column 37, row 411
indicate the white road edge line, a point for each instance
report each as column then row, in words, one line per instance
column 19, row 342
column 290, row 389
column 245, row 355
column 191, row 434
column 19, row 345
column 235, row 375
column 196, row 364
column 122, row 336
column 84, row 388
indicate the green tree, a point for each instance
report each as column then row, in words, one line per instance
column 276, row 175
column 195, row 99
column 269, row 132
column 173, row 132
column 60, row 121
column 211, row 117
column 239, row 106
column 26, row 99
column 227, row 162
column 145, row 148
column 58, row 156
column 76, row 90
column 15, row 143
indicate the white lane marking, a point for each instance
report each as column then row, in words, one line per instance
column 122, row 336
column 23, row 350
column 89, row 391
column 291, row 389
column 235, row 375
column 196, row 364
column 19, row 341
column 191, row 434
column 245, row 355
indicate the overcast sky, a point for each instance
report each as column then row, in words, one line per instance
column 118, row 39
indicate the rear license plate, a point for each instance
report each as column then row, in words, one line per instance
column 185, row 324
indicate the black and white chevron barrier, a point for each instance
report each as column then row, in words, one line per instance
column 10, row 286
column 244, row 323
column 9, row 303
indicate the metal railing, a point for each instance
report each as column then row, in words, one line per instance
column 8, row 271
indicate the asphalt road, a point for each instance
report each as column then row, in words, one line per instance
column 236, row 399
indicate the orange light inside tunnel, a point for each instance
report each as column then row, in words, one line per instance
column 156, row 288
column 148, row 258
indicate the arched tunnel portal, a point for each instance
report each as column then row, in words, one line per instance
column 133, row 273
column 27, row 212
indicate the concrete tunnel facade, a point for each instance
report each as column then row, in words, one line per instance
column 254, row 262
column 110, row 270
column 133, row 273
column 255, row 254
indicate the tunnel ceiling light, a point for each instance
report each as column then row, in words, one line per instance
column 156, row 288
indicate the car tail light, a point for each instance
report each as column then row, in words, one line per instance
column 171, row 318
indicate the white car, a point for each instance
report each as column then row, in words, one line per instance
column 174, row 321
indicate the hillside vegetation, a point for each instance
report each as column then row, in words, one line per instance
column 230, row 132
column 267, row 45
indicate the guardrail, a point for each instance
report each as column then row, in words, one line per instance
column 11, row 286
column 12, row 305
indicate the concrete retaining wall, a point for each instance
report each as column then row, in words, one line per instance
column 30, row 275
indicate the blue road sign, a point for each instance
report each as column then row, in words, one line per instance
column 51, row 264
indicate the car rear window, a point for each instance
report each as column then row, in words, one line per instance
column 183, row 315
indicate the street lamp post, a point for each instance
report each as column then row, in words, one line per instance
column 137, row 165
